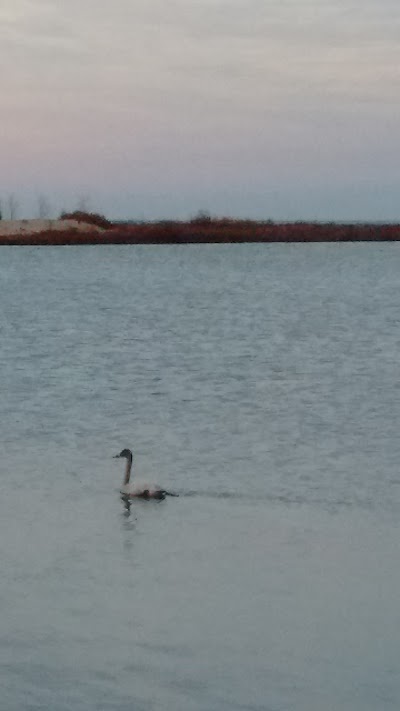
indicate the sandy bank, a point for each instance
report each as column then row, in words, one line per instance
column 20, row 227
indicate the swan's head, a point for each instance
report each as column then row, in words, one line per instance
column 125, row 454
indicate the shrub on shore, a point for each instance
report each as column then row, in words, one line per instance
column 90, row 218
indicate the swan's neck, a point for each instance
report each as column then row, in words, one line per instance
column 128, row 469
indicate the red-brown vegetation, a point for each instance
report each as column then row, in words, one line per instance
column 212, row 231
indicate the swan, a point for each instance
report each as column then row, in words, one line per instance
column 139, row 490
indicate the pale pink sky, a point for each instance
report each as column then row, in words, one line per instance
column 263, row 108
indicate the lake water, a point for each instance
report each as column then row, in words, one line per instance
column 261, row 383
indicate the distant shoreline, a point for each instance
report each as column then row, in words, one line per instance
column 196, row 231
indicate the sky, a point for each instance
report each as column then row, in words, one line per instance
column 146, row 109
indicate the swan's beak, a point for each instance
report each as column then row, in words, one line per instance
column 116, row 456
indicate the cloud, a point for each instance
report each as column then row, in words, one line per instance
column 208, row 45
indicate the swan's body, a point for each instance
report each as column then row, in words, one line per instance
column 139, row 489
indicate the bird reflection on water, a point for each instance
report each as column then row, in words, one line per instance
column 127, row 505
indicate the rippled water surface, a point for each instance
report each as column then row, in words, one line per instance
column 262, row 384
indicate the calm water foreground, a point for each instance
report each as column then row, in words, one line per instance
column 263, row 384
